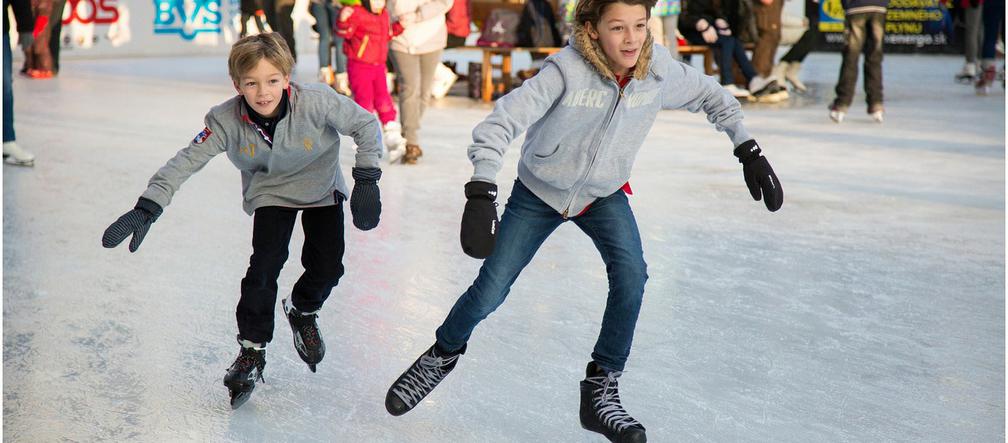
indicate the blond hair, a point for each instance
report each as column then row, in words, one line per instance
column 246, row 53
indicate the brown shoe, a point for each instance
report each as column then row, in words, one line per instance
column 413, row 152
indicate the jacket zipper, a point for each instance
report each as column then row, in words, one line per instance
column 598, row 146
column 360, row 51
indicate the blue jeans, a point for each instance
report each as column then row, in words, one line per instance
column 326, row 15
column 8, row 93
column 526, row 223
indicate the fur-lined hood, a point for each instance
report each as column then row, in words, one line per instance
column 592, row 52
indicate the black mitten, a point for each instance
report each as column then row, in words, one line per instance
column 759, row 176
column 135, row 222
column 365, row 200
column 479, row 221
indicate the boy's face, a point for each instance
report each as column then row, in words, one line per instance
column 377, row 6
column 621, row 33
column 263, row 88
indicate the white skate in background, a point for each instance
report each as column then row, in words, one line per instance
column 395, row 144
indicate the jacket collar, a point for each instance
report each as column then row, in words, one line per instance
column 592, row 52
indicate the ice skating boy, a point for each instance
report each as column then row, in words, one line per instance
column 587, row 112
column 366, row 31
column 284, row 138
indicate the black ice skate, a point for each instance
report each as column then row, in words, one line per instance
column 307, row 339
column 420, row 379
column 242, row 375
column 601, row 410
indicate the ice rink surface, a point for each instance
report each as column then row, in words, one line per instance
column 869, row 308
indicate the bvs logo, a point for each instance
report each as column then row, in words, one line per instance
column 187, row 17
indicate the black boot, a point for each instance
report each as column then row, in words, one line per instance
column 601, row 410
column 420, row 379
column 242, row 375
column 307, row 339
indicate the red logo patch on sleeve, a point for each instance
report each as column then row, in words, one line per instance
column 202, row 136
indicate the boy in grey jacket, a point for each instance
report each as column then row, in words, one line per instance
column 284, row 138
column 586, row 112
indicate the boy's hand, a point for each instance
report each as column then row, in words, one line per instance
column 479, row 221
column 759, row 176
column 365, row 200
column 135, row 222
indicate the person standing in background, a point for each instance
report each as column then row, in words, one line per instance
column 417, row 53
column 39, row 61
column 993, row 19
column 325, row 12
column 790, row 64
column 457, row 21
column 864, row 24
column 12, row 153
column 667, row 11
column 252, row 9
column 972, row 39
column 278, row 15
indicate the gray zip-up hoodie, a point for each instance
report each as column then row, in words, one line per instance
column 583, row 132
column 300, row 170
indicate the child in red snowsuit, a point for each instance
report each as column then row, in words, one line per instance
column 367, row 30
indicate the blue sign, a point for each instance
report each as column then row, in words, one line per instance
column 187, row 18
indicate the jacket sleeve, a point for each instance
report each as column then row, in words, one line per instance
column 346, row 28
column 512, row 114
column 433, row 8
column 167, row 181
column 694, row 11
column 348, row 118
column 687, row 88
column 23, row 15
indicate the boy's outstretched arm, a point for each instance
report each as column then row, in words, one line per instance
column 351, row 119
column 691, row 90
column 163, row 185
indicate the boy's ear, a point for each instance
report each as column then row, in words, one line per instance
column 591, row 30
column 286, row 81
column 236, row 86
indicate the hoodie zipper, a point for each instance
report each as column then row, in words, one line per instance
column 598, row 146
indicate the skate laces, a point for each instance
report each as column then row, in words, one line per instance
column 607, row 402
column 247, row 359
column 423, row 377
column 306, row 324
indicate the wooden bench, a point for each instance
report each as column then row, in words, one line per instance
column 503, row 54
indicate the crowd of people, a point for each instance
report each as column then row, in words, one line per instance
column 361, row 43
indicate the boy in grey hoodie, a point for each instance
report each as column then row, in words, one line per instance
column 587, row 112
column 284, row 138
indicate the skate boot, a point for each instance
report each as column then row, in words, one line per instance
column 837, row 113
column 986, row 79
column 967, row 75
column 791, row 75
column 420, row 379
column 242, row 375
column 413, row 152
column 341, row 82
column 394, row 141
column 307, row 339
column 601, row 410
column 876, row 112
column 327, row 76
column 13, row 154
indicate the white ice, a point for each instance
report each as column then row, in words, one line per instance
column 869, row 308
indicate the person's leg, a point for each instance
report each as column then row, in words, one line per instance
column 428, row 64
column 322, row 256
column 285, row 24
column 612, row 227
column 8, row 92
column 768, row 25
column 271, row 232
column 55, row 37
column 408, row 73
column 321, row 14
column 972, row 37
column 725, row 48
column 873, row 61
column 671, row 24
column 993, row 14
column 382, row 99
column 361, row 84
column 854, row 33
column 740, row 57
column 526, row 223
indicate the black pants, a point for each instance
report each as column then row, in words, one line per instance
column 862, row 33
column 278, row 15
column 322, row 258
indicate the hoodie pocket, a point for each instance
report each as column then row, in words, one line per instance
column 556, row 166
